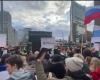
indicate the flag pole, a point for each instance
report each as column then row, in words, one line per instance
column 82, row 44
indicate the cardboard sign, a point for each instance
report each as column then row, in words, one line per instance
column 48, row 42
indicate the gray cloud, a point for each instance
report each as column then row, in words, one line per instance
column 40, row 15
column 24, row 5
column 62, row 6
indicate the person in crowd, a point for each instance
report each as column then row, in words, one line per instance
column 74, row 68
column 95, row 68
column 57, row 69
column 36, row 54
column 63, row 53
column 95, row 53
column 14, row 65
column 79, row 55
column 3, row 72
column 87, row 52
column 2, row 63
column 85, row 68
column 4, row 51
column 46, row 62
column 23, row 57
column 51, row 52
column 66, row 54
column 56, row 51
column 1, row 51
column 57, row 58
column 4, row 57
column 24, row 52
column 88, row 60
column 70, row 53
column 77, row 50
column 30, row 59
column 17, row 50
column 31, row 63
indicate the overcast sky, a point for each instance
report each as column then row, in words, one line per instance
column 43, row 15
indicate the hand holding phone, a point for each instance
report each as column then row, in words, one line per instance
column 42, row 53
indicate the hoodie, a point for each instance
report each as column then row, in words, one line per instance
column 42, row 76
column 78, row 75
column 96, row 74
column 22, row 75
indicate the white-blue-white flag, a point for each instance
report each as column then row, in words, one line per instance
column 96, row 34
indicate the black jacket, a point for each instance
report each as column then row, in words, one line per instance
column 78, row 75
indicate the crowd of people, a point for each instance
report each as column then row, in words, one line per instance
column 47, row 64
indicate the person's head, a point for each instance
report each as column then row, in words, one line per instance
column 23, row 57
column 77, row 50
column 57, row 58
column 30, row 59
column 74, row 64
column 79, row 56
column 42, row 51
column 88, row 60
column 94, row 64
column 13, row 63
column 62, row 50
column 4, row 57
column 58, row 70
column 47, row 57
column 56, row 51
column 2, row 48
column 93, row 49
column 86, row 52
column 36, row 53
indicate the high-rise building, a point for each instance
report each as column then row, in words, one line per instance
column 12, row 37
column 8, row 29
column 77, row 26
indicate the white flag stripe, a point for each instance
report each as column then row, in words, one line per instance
column 95, row 39
column 96, row 28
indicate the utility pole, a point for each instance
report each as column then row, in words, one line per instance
column 1, row 31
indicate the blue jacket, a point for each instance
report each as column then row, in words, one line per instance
column 22, row 75
column 2, row 67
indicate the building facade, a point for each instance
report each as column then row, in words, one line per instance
column 8, row 29
column 77, row 26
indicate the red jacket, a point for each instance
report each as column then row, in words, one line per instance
column 96, row 74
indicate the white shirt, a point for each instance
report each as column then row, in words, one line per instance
column 4, row 75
